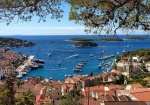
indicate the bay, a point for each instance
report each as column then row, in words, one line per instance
column 64, row 52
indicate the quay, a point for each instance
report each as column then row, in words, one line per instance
column 27, row 66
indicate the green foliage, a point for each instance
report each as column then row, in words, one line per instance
column 115, row 66
column 25, row 9
column 71, row 98
column 86, row 44
column 11, row 42
column 111, row 39
column 106, row 16
column 79, row 39
column 138, row 78
column 98, row 16
column 97, row 82
column 137, row 38
column 7, row 92
column 25, row 99
column 41, row 78
column 118, row 58
column 140, row 53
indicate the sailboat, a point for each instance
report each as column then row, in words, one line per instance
column 117, row 53
column 123, row 49
column 37, row 60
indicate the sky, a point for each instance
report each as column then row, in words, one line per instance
column 50, row 27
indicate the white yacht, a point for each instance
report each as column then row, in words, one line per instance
column 91, row 55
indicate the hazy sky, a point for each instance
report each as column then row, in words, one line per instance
column 50, row 27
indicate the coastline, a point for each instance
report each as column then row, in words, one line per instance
column 60, row 51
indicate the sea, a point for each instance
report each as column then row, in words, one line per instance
column 65, row 53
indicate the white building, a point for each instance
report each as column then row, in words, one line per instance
column 136, row 59
column 147, row 65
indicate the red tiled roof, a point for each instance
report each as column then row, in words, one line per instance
column 94, row 88
column 136, row 85
column 69, row 79
column 142, row 94
column 124, row 103
column 137, row 90
column 92, row 101
column 112, row 87
column 111, row 92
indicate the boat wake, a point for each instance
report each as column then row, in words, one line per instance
column 72, row 56
column 57, row 69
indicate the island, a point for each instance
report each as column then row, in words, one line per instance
column 86, row 44
column 137, row 38
column 111, row 39
column 12, row 42
column 78, row 39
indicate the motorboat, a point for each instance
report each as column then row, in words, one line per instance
column 91, row 55
column 49, row 54
column 38, row 61
column 59, row 63
column 19, row 76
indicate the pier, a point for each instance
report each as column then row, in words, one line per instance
column 106, row 57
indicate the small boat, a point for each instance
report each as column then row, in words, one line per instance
column 79, row 64
column 99, row 66
column 129, row 45
column 23, row 73
column 123, row 51
column 38, row 61
column 91, row 55
column 19, row 76
column 49, row 54
column 104, row 51
column 40, row 64
column 76, row 69
column 84, row 61
column 72, row 51
column 59, row 63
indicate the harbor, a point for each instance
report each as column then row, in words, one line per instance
column 28, row 65
column 64, row 58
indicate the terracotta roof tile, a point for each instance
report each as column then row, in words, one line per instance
column 95, row 88
column 137, row 85
column 124, row 103
column 92, row 101
column 142, row 94
column 69, row 79
column 112, row 87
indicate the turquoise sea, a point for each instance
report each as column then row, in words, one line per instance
column 64, row 52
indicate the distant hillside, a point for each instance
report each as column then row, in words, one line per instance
column 111, row 39
column 137, row 38
column 12, row 42
column 78, row 39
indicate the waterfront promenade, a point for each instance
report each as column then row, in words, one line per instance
column 24, row 68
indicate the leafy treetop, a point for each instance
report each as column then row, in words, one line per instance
column 96, row 15
column 110, row 15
